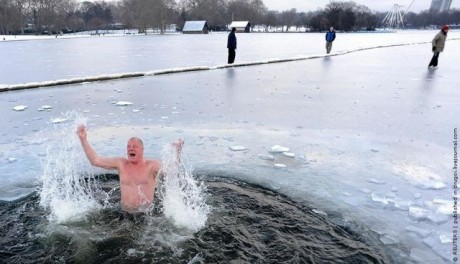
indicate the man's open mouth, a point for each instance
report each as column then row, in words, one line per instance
column 132, row 155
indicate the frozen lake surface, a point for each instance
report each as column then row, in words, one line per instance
column 367, row 134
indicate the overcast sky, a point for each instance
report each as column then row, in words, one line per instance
column 374, row 5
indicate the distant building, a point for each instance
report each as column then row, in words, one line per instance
column 195, row 27
column 440, row 5
column 241, row 26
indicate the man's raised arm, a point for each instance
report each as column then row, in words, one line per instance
column 94, row 159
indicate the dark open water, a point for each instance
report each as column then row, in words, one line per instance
column 247, row 224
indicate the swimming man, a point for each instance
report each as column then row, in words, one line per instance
column 138, row 176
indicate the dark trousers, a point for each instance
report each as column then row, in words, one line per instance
column 434, row 60
column 231, row 56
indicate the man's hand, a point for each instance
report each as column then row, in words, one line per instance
column 178, row 144
column 81, row 131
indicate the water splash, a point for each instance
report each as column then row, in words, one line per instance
column 183, row 197
column 67, row 190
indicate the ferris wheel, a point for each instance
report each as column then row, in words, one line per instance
column 395, row 18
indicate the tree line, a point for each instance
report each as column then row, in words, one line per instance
column 53, row 16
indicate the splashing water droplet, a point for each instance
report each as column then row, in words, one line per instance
column 183, row 197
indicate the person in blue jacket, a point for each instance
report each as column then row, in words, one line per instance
column 231, row 45
column 330, row 37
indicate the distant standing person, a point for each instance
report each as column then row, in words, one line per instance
column 438, row 44
column 231, row 45
column 330, row 37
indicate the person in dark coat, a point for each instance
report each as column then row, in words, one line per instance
column 438, row 44
column 330, row 37
column 231, row 45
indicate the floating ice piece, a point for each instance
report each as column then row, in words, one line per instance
column 266, row 157
column 422, row 177
column 422, row 256
column 430, row 241
column 403, row 205
column 418, row 212
column 445, row 238
column 375, row 181
column 136, row 110
column 389, row 240
column 20, row 108
column 419, row 231
column 237, row 148
column 379, row 198
column 438, row 218
column 45, row 107
column 279, row 165
column 278, row 149
column 58, row 120
column 288, row 154
column 123, row 103
column 316, row 211
column 11, row 160
column 164, row 117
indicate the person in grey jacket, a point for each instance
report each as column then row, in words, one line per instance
column 231, row 45
column 438, row 44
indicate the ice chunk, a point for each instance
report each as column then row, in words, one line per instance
column 279, row 165
column 429, row 241
column 316, row 211
column 438, row 218
column 20, row 108
column 136, row 110
column 266, row 157
column 44, row 107
column 379, row 198
column 403, row 205
column 422, row 177
column 419, row 231
column 278, row 149
column 445, row 238
column 418, row 212
column 58, row 120
column 389, row 239
column 237, row 148
column 288, row 154
column 11, row 160
column 123, row 103
column 422, row 256
column 373, row 180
